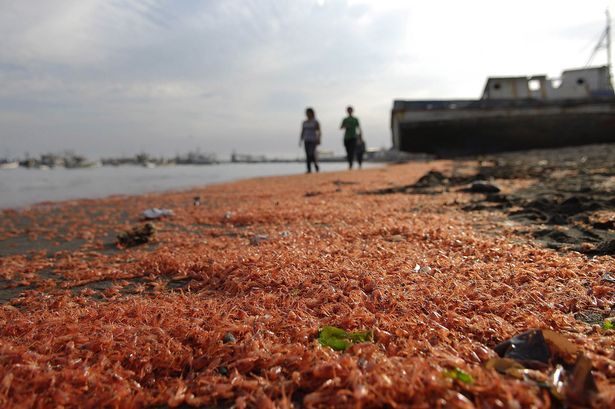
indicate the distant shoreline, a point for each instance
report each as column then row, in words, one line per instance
column 23, row 187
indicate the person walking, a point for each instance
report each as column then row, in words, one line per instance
column 360, row 150
column 310, row 137
column 350, row 124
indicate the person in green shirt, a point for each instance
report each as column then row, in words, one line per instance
column 352, row 133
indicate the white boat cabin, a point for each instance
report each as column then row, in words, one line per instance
column 580, row 83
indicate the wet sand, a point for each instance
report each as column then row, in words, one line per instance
column 439, row 273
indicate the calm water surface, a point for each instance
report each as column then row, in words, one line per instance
column 22, row 187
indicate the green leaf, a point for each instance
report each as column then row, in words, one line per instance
column 360, row 336
column 608, row 324
column 459, row 375
column 340, row 340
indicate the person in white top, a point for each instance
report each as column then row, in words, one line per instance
column 310, row 137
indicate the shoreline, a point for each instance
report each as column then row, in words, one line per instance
column 223, row 307
column 28, row 187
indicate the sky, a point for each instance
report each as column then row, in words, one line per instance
column 119, row 77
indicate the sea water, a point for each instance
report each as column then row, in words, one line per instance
column 21, row 187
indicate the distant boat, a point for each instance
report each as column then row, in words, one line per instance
column 514, row 113
column 9, row 164
column 247, row 158
column 92, row 164
column 197, row 158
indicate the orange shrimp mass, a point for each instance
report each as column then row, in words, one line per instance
column 223, row 304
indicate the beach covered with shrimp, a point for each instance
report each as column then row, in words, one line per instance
column 224, row 303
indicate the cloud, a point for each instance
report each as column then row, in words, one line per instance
column 106, row 76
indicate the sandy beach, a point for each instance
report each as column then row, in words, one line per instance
column 223, row 305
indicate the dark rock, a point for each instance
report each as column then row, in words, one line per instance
column 554, row 235
column 528, row 347
column 608, row 225
column 606, row 248
column 430, row 179
column 576, row 204
column 590, row 317
column 482, row 186
column 529, row 214
column 137, row 235
column 496, row 198
column 557, row 219
column 541, row 203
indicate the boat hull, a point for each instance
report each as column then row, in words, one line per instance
column 478, row 128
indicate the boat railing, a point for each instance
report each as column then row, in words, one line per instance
column 439, row 105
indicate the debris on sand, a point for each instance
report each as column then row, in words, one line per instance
column 482, row 186
column 551, row 361
column 433, row 182
column 431, row 179
column 569, row 201
column 459, row 375
column 258, row 239
column 137, row 235
column 605, row 248
column 591, row 317
column 312, row 194
column 156, row 213
column 340, row 340
column 608, row 277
